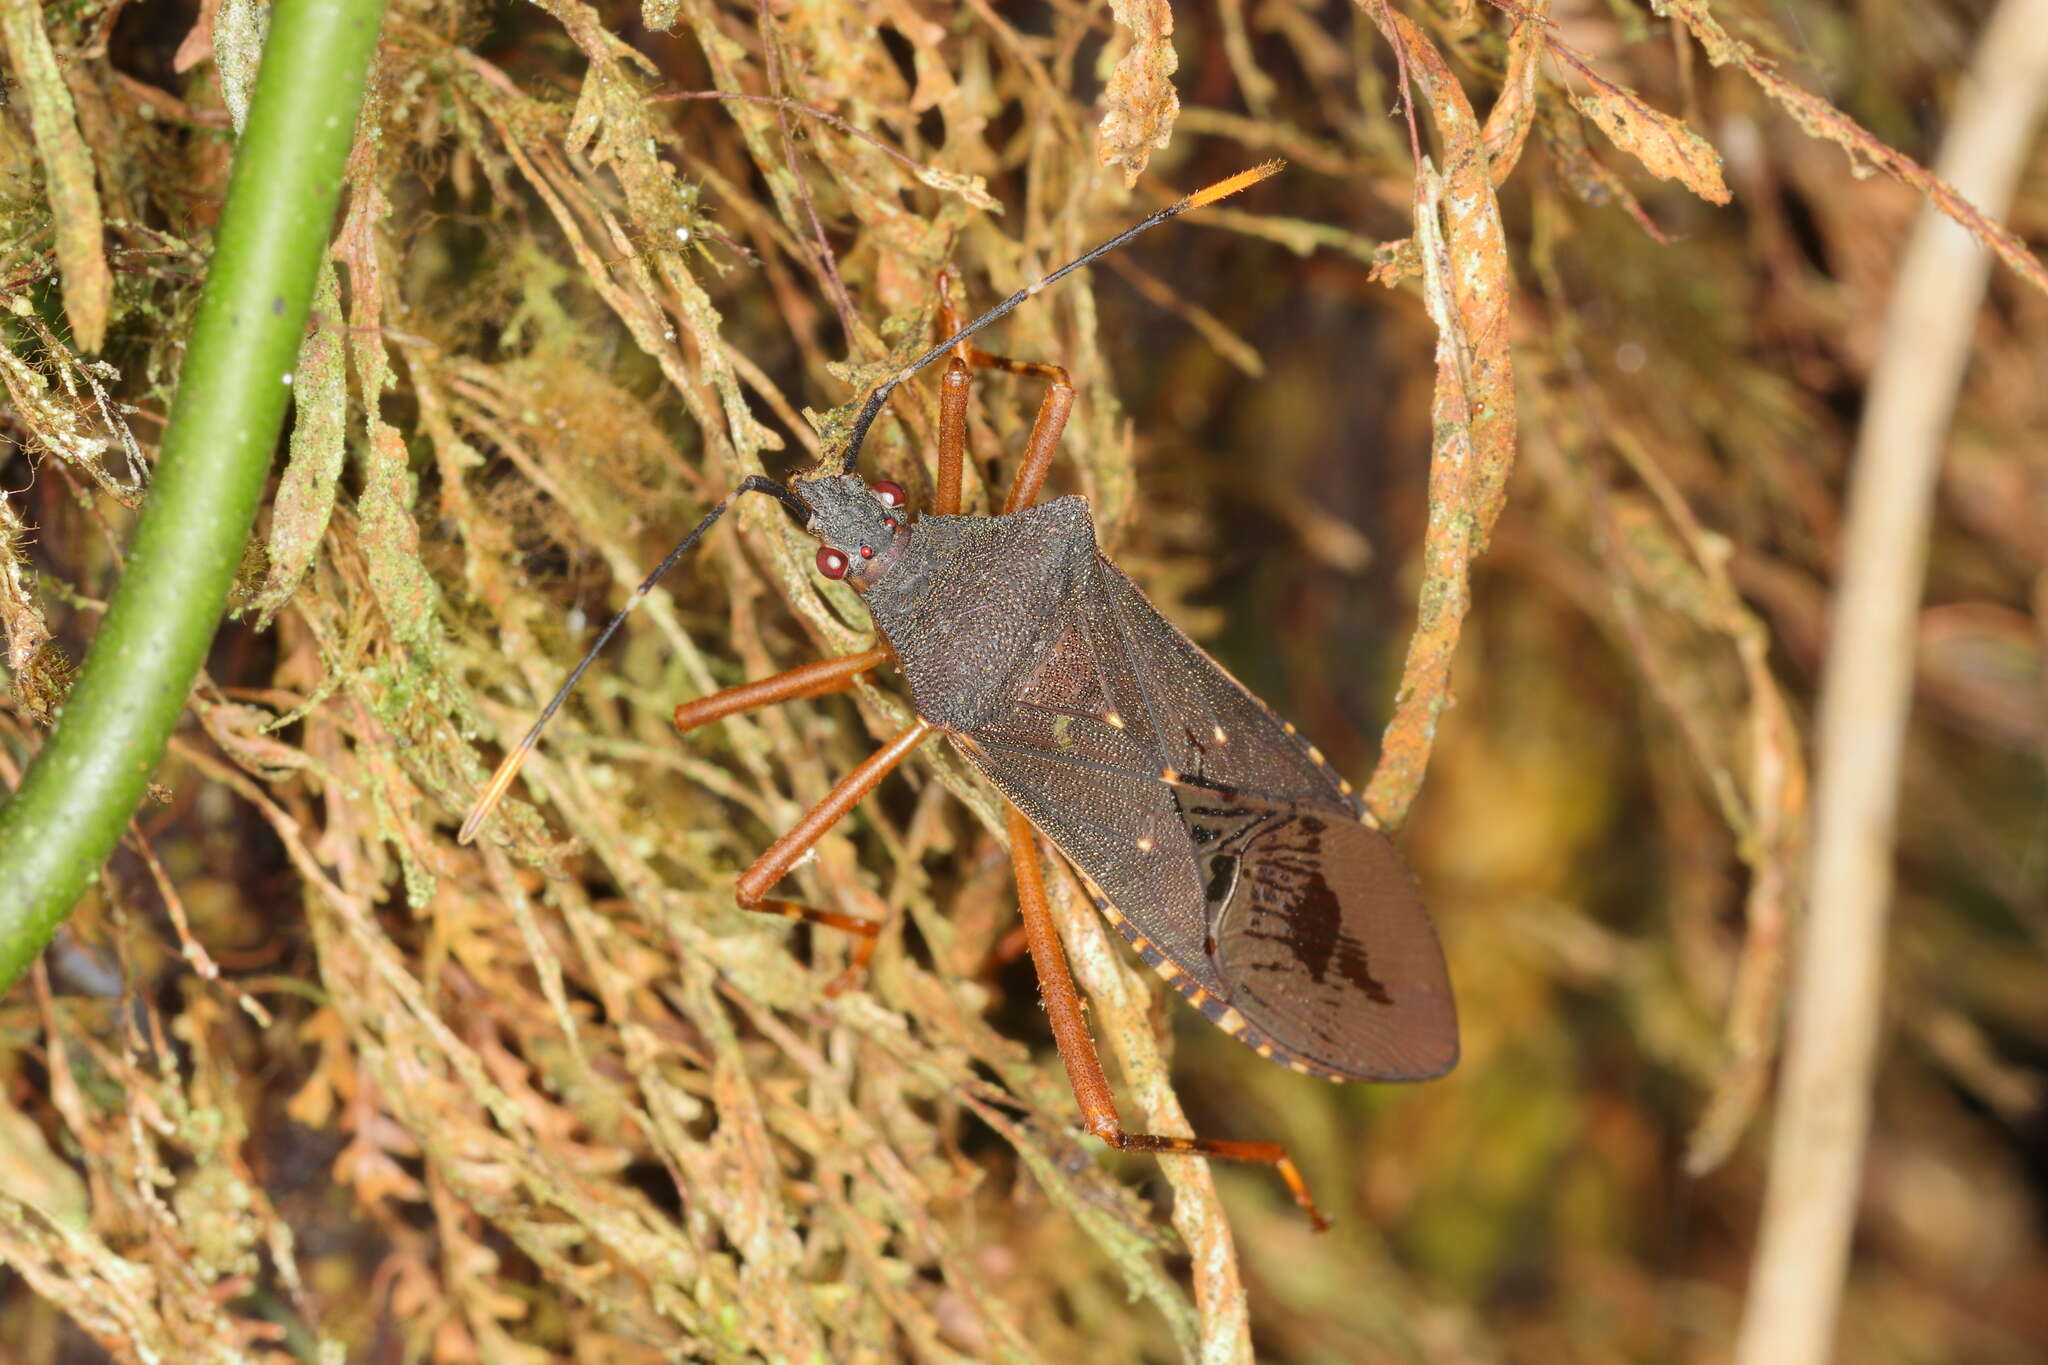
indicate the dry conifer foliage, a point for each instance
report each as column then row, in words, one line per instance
column 304, row 1077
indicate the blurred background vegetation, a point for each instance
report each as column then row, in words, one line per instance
column 303, row 1076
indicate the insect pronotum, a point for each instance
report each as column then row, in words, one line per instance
column 1215, row 838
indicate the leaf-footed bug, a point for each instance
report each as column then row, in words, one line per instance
column 1215, row 838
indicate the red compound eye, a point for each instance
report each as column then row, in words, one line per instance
column 831, row 563
column 891, row 494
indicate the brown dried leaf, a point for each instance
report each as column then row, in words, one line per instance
column 370, row 1163
column 1585, row 176
column 197, row 45
column 68, row 170
column 1667, row 148
column 36, row 1175
column 1512, row 115
column 1822, row 120
column 1140, row 95
column 305, row 491
column 1393, row 262
column 333, row 1079
column 23, row 629
column 1469, row 288
column 390, row 536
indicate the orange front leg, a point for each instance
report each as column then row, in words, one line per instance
column 809, row 680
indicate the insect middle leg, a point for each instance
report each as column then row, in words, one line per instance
column 818, row 679
column 955, row 388
column 1077, row 1048
column 757, row 881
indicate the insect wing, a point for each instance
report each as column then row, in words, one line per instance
column 1238, row 868
column 1319, row 930
column 1199, row 721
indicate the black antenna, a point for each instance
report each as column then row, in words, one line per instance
column 872, row 409
column 509, row 769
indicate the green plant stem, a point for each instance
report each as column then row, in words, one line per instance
column 79, row 793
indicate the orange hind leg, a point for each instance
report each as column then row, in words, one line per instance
column 1077, row 1048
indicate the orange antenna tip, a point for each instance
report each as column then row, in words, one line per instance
column 1243, row 180
column 495, row 791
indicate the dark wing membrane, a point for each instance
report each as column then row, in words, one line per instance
column 1319, row 930
column 1288, row 922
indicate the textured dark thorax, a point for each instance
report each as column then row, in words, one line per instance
column 973, row 604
